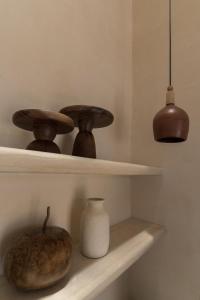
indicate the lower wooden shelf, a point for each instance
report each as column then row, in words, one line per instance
column 89, row 277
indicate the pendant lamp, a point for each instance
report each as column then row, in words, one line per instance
column 171, row 124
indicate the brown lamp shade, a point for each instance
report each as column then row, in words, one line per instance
column 171, row 124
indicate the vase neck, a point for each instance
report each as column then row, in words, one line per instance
column 96, row 203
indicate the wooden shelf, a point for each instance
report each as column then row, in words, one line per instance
column 25, row 161
column 89, row 277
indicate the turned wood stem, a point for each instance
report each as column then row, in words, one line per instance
column 46, row 220
column 44, row 131
column 85, row 125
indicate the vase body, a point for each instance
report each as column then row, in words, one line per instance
column 95, row 229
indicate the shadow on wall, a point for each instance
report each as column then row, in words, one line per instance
column 76, row 211
column 65, row 143
column 146, row 203
column 19, row 226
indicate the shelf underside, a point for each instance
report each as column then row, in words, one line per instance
column 25, row 161
column 89, row 277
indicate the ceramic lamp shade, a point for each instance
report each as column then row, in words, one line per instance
column 171, row 124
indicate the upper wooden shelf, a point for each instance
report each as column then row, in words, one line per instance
column 25, row 161
column 89, row 277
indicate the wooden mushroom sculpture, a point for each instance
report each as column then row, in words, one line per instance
column 86, row 118
column 39, row 258
column 45, row 126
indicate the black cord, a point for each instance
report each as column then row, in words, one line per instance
column 170, row 42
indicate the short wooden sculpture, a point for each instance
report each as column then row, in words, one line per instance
column 86, row 118
column 39, row 258
column 45, row 126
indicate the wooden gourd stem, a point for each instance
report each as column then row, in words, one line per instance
column 46, row 220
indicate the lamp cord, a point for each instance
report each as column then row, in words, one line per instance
column 170, row 91
column 170, row 43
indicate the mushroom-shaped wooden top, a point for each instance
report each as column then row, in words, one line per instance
column 86, row 118
column 28, row 118
column 45, row 126
column 99, row 117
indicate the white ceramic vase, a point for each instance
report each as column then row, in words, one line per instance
column 95, row 229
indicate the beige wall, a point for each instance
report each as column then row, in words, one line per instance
column 54, row 54
column 172, row 269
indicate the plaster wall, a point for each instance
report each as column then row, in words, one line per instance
column 171, row 270
column 54, row 54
